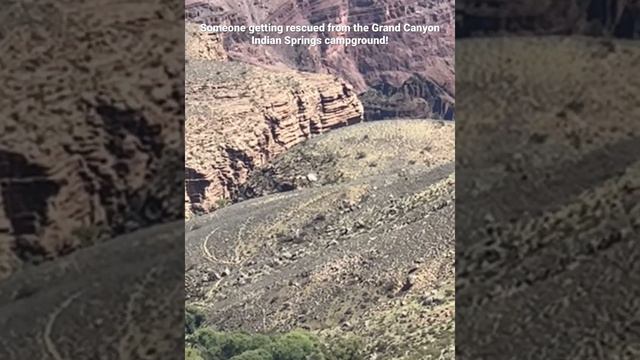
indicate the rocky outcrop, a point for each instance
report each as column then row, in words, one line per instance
column 415, row 97
column 203, row 46
column 76, row 168
column 241, row 116
column 429, row 57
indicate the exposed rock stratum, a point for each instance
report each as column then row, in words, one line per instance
column 121, row 141
column 416, row 66
column 240, row 116
column 203, row 46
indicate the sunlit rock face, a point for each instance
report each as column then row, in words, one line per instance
column 414, row 72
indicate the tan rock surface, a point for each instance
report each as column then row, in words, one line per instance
column 203, row 46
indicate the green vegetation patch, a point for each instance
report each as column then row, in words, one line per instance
column 206, row 343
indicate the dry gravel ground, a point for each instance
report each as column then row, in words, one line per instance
column 369, row 252
column 399, row 146
column 548, row 200
column 115, row 300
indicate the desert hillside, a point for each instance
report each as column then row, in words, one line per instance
column 548, row 214
column 364, row 245
column 303, row 221
column 113, row 300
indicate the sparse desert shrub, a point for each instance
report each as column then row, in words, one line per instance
column 222, row 202
column 193, row 319
column 87, row 235
column 192, row 354
column 347, row 348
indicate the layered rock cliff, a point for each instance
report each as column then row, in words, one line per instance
column 416, row 96
column 240, row 116
column 408, row 57
column 74, row 169
column 203, row 46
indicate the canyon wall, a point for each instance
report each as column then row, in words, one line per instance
column 78, row 169
column 203, row 46
column 428, row 58
column 240, row 116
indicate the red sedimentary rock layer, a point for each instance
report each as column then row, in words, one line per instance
column 240, row 116
column 409, row 55
column 106, row 162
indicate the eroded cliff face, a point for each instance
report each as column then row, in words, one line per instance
column 240, row 116
column 416, row 96
column 120, row 142
column 428, row 57
column 121, row 165
column 202, row 46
